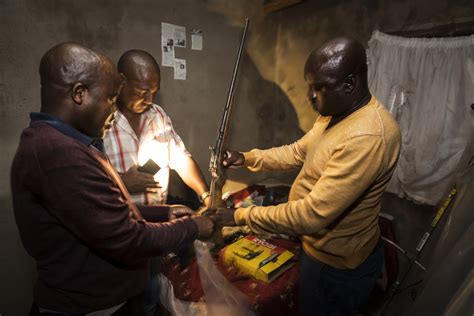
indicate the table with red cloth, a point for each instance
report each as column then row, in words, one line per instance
column 278, row 297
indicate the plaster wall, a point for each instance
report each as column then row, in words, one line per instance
column 270, row 104
column 29, row 28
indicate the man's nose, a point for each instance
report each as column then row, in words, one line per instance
column 148, row 98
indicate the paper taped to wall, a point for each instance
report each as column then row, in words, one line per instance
column 196, row 39
column 180, row 69
column 171, row 36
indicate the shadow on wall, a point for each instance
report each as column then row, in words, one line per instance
column 262, row 117
column 17, row 273
column 274, row 61
column 274, row 121
column 279, row 43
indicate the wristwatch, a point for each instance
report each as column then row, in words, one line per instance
column 204, row 196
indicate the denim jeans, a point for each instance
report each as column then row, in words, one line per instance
column 36, row 311
column 151, row 293
column 325, row 290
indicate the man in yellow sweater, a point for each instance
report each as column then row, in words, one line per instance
column 346, row 161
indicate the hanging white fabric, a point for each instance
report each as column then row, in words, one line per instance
column 427, row 84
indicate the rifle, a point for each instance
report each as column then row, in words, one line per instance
column 218, row 151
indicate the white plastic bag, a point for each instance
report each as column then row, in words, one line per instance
column 222, row 298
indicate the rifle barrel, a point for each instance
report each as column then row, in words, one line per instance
column 218, row 151
column 230, row 96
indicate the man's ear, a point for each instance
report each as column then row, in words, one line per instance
column 349, row 84
column 78, row 92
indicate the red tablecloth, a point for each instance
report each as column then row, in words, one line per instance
column 276, row 298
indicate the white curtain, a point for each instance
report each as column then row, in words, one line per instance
column 428, row 85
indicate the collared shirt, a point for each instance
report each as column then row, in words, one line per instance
column 66, row 129
column 77, row 221
column 157, row 140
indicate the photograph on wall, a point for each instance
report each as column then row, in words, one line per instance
column 180, row 36
column 173, row 35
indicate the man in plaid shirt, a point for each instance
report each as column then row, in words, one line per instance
column 142, row 130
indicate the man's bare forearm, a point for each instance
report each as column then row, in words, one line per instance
column 192, row 176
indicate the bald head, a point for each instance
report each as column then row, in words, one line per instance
column 68, row 63
column 136, row 64
column 78, row 86
column 338, row 58
column 337, row 76
column 142, row 75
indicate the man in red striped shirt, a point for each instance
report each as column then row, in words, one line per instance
column 142, row 130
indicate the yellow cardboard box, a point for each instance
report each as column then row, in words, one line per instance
column 258, row 258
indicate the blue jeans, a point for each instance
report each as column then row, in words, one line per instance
column 151, row 296
column 325, row 290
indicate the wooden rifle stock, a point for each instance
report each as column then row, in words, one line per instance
column 218, row 176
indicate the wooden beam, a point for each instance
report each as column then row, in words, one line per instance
column 275, row 5
column 448, row 30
